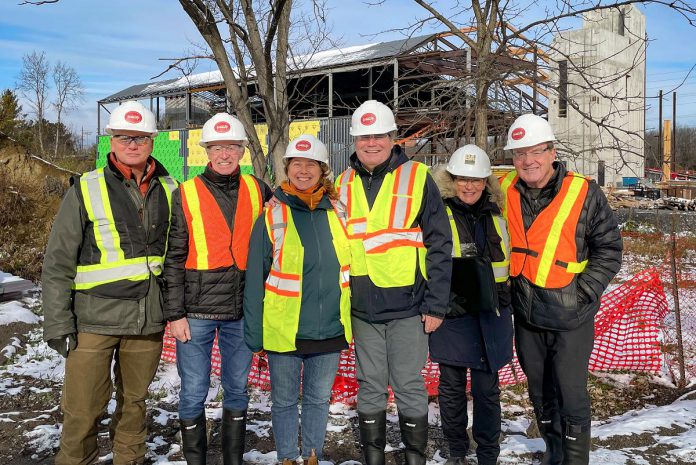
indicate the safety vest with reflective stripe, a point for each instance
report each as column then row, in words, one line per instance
column 500, row 268
column 113, row 265
column 546, row 254
column 384, row 243
column 211, row 243
column 283, row 295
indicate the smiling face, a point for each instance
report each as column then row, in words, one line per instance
column 304, row 173
column 469, row 190
column 224, row 155
column 373, row 150
column 534, row 164
column 130, row 152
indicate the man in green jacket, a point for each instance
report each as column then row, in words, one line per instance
column 101, row 297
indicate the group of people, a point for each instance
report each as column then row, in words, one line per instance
column 403, row 260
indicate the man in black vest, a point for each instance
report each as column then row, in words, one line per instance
column 101, row 297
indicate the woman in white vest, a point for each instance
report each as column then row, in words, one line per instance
column 297, row 298
column 476, row 335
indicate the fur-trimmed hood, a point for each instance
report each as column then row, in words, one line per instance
column 445, row 182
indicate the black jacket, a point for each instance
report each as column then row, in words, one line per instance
column 478, row 340
column 205, row 294
column 598, row 240
column 378, row 304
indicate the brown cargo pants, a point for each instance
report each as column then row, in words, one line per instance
column 87, row 390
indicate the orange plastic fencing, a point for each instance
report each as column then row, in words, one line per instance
column 627, row 331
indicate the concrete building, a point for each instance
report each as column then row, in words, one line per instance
column 600, row 77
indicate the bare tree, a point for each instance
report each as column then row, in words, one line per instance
column 32, row 83
column 69, row 92
column 251, row 43
column 519, row 65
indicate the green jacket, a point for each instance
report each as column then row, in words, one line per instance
column 139, row 310
column 321, row 294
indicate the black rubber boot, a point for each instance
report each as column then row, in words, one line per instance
column 550, row 431
column 233, row 434
column 373, row 437
column 576, row 445
column 414, row 435
column 194, row 440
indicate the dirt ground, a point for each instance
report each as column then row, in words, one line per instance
column 38, row 404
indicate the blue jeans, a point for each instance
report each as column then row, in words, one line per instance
column 317, row 380
column 193, row 364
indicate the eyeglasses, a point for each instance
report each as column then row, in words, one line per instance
column 376, row 137
column 534, row 154
column 126, row 140
column 476, row 182
column 218, row 149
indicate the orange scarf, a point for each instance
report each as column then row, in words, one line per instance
column 311, row 196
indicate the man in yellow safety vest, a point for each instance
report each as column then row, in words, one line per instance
column 401, row 247
column 101, row 295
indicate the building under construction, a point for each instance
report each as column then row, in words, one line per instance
column 428, row 80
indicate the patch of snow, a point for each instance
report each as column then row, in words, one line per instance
column 11, row 349
column 681, row 413
column 519, row 445
column 16, row 312
column 44, row 437
column 260, row 428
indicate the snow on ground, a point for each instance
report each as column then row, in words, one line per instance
column 13, row 311
column 667, row 432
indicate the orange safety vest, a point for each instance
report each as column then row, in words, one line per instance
column 546, row 254
column 211, row 243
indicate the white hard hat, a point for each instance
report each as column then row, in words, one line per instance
column 527, row 131
column 372, row 117
column 470, row 161
column 132, row 116
column 307, row 146
column 222, row 127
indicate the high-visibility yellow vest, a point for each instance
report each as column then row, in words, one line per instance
column 113, row 266
column 211, row 243
column 383, row 241
column 500, row 268
column 546, row 253
column 283, row 287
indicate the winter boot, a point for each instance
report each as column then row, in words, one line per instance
column 373, row 437
column 456, row 461
column 195, row 440
column 233, row 433
column 550, row 431
column 414, row 435
column 576, row 445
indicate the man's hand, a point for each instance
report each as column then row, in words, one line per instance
column 64, row 344
column 272, row 202
column 180, row 330
column 431, row 323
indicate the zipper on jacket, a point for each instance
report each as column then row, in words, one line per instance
column 320, row 294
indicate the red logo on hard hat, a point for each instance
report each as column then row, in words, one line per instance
column 133, row 117
column 222, row 126
column 518, row 134
column 368, row 119
column 303, row 145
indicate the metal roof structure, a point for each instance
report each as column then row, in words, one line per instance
column 335, row 59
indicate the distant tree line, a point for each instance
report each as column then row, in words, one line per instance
column 685, row 155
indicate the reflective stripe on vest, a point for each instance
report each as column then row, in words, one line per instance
column 112, row 266
column 211, row 243
column 382, row 238
column 500, row 269
column 283, row 288
column 546, row 253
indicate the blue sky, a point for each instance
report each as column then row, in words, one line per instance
column 117, row 43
